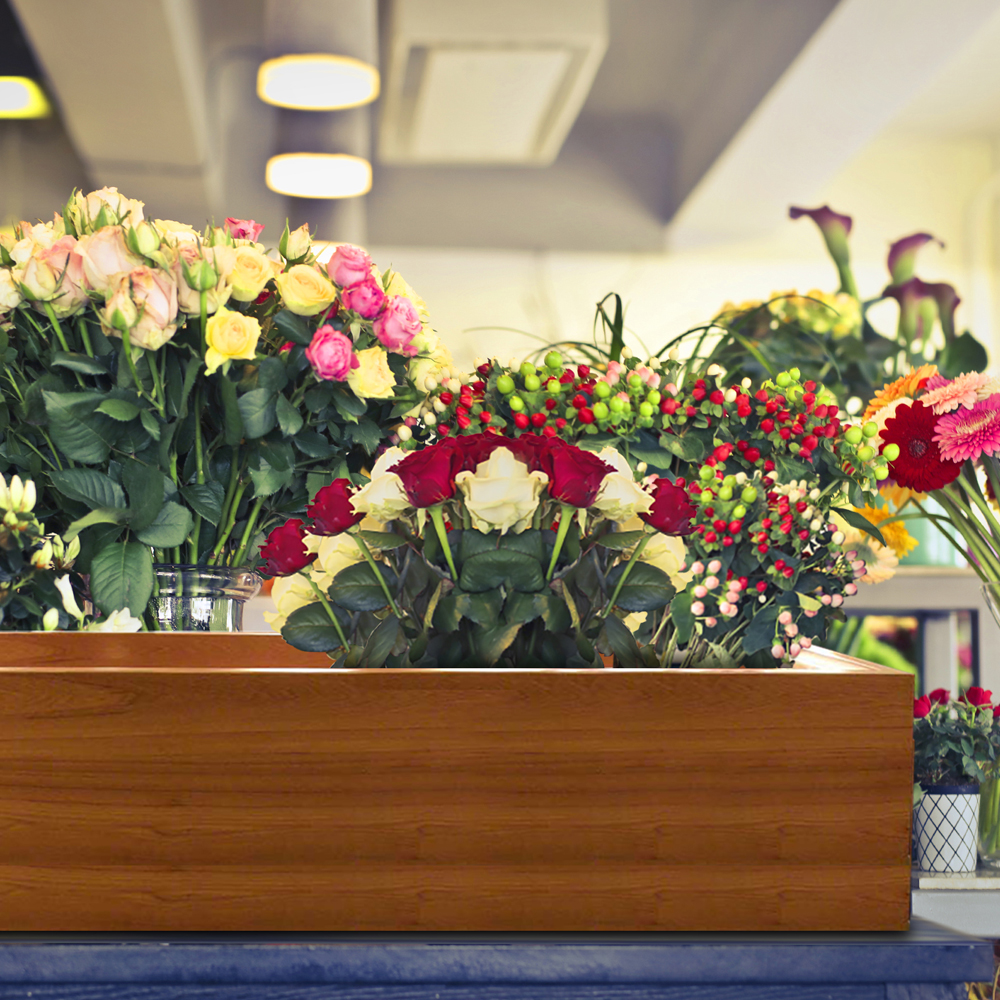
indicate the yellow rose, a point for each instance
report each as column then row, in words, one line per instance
column 383, row 496
column 305, row 290
column 290, row 593
column 372, row 379
column 230, row 335
column 252, row 272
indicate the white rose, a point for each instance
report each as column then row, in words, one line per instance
column 290, row 593
column 667, row 552
column 620, row 497
column 383, row 497
column 10, row 294
column 117, row 621
column 501, row 493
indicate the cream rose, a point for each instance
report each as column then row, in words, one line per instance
column 10, row 294
column 501, row 493
column 106, row 258
column 204, row 261
column 383, row 496
column 31, row 240
column 372, row 379
column 305, row 290
column 55, row 276
column 155, row 295
column 666, row 552
column 620, row 497
column 252, row 271
column 230, row 335
column 290, row 593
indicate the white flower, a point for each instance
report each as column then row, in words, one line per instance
column 290, row 593
column 18, row 497
column 383, row 497
column 121, row 620
column 50, row 619
column 65, row 589
column 620, row 497
column 501, row 493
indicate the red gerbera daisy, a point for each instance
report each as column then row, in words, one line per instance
column 920, row 465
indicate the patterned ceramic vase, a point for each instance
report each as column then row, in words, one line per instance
column 946, row 822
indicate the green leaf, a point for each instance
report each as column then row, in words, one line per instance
column 289, row 419
column 483, row 609
column 447, row 617
column 688, row 447
column 292, row 327
column 382, row 539
column 171, row 527
column 257, row 409
column 760, row 632
column 380, row 642
column 522, row 608
column 357, row 588
column 268, row 480
column 491, row 643
column 82, row 363
column 272, row 375
column 682, row 617
column 100, row 515
column 309, row 628
column 191, row 370
column 808, row 603
column 121, row 576
column 233, row 426
column 620, row 539
column 205, row 499
column 963, row 354
column 80, row 434
column 95, row 489
column 621, row 642
column 348, row 405
column 859, row 521
column 151, row 425
column 647, row 588
column 119, row 409
column 529, row 542
column 501, row 568
column 144, row 484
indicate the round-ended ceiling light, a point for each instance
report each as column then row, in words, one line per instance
column 317, row 82
column 21, row 97
column 319, row 175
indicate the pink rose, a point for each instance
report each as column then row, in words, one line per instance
column 397, row 325
column 365, row 298
column 331, row 354
column 349, row 265
column 155, row 294
column 55, row 275
column 244, row 229
column 105, row 258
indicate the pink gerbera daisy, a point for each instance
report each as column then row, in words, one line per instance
column 943, row 395
column 971, row 431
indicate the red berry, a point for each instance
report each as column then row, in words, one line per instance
column 741, row 446
column 551, row 404
column 483, row 370
column 584, row 370
column 763, row 548
column 549, row 431
column 446, row 398
column 521, row 420
column 462, row 420
column 485, row 417
column 767, row 425
column 804, row 535
column 698, row 393
column 727, row 541
column 810, row 441
column 538, row 419
column 579, row 400
column 560, row 423
column 735, row 526
column 719, row 525
column 788, row 572
column 801, row 506
column 761, row 395
column 761, row 586
column 809, row 386
column 566, row 377
column 768, row 465
column 669, row 406
column 711, row 536
column 752, row 454
column 832, row 410
column 478, row 387
column 462, row 409
column 772, row 406
column 718, row 397
column 680, row 481
column 443, row 430
column 785, row 433
column 766, row 523
column 690, row 410
column 586, row 415
column 809, row 398
column 821, row 411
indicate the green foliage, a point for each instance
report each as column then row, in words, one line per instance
column 955, row 743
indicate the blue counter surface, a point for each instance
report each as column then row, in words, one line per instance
column 926, row 963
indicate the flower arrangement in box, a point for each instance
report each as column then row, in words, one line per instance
column 532, row 542
column 175, row 393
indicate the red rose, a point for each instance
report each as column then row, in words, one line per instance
column 921, row 707
column 428, row 475
column 978, row 697
column 531, row 449
column 284, row 552
column 939, row 696
column 476, row 448
column 671, row 512
column 575, row 475
column 331, row 509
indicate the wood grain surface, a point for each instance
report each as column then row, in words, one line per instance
column 194, row 799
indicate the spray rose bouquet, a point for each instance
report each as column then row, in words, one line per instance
column 173, row 393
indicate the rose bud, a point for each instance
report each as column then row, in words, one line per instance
column 331, row 510
column 284, row 552
column 671, row 512
column 575, row 475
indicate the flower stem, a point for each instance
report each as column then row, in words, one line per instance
column 624, row 576
column 437, row 518
column 248, row 531
column 53, row 319
column 566, row 512
column 366, row 552
column 204, row 323
column 330, row 612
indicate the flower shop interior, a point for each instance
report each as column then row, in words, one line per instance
column 538, row 334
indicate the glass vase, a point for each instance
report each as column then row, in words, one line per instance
column 199, row 598
column 991, row 594
column 989, row 819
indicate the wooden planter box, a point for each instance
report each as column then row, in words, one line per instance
column 150, row 787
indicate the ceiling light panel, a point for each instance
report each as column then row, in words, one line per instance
column 319, row 175
column 317, row 82
column 21, row 97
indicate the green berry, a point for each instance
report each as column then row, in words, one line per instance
column 725, row 493
column 653, row 396
column 553, row 386
column 783, row 379
column 645, row 409
column 516, row 403
column 532, row 383
column 616, row 405
column 853, row 435
column 553, row 359
column 602, row 390
column 881, row 473
column 891, row 451
column 749, row 494
column 729, row 481
column 739, row 511
column 794, row 374
column 645, row 421
column 866, row 453
column 527, row 368
column 505, row 384
column 870, row 429
column 634, row 381
column 706, row 473
column 600, row 410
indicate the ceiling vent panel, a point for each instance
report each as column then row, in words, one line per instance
column 487, row 84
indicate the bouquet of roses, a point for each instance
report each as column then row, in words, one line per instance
column 490, row 527
column 174, row 393
column 954, row 742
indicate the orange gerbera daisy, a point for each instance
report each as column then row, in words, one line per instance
column 907, row 386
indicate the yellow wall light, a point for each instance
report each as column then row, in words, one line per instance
column 21, row 97
column 317, row 82
column 319, row 175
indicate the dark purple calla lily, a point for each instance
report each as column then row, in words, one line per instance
column 947, row 302
column 835, row 229
column 903, row 255
column 917, row 308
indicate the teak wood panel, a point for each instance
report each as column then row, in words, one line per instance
column 455, row 800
